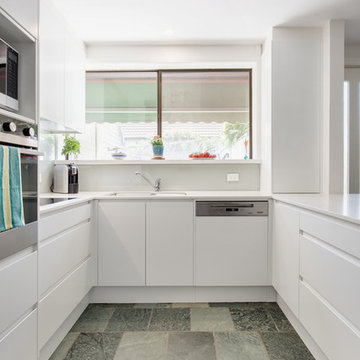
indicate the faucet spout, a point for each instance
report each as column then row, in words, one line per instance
column 154, row 184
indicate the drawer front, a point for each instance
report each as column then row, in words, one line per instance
column 55, row 307
column 337, row 233
column 333, row 274
column 62, row 254
column 61, row 221
column 21, row 342
column 19, row 282
column 336, row 339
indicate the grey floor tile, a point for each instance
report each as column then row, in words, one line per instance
column 211, row 319
column 97, row 312
column 252, row 319
column 170, row 320
column 129, row 320
column 142, row 345
column 152, row 306
column 281, row 322
column 64, row 346
column 286, row 346
column 239, row 346
column 245, row 305
column 89, row 325
column 191, row 346
column 94, row 346
column 190, row 305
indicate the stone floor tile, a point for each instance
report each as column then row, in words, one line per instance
column 211, row 319
column 281, row 322
column 64, row 346
column 152, row 306
column 170, row 320
column 191, row 346
column 190, row 305
column 142, row 345
column 285, row 346
column 129, row 320
column 94, row 346
column 97, row 312
column 252, row 319
column 89, row 325
column 239, row 346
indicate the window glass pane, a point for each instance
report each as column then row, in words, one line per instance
column 121, row 115
column 205, row 111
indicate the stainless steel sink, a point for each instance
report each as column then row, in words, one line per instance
column 148, row 193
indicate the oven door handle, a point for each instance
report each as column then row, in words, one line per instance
column 31, row 152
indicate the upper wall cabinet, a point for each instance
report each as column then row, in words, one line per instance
column 62, row 73
column 296, row 109
column 25, row 12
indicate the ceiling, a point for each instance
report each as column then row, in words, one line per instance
column 201, row 21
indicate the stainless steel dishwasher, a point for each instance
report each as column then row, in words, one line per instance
column 231, row 246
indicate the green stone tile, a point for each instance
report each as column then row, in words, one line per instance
column 152, row 306
column 189, row 305
column 211, row 319
column 94, row 346
column 64, row 346
column 191, row 346
column 170, row 320
column 97, row 312
column 142, row 345
column 286, row 346
column 252, row 319
column 129, row 320
column 239, row 346
column 281, row 322
column 89, row 325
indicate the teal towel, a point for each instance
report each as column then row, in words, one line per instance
column 11, row 203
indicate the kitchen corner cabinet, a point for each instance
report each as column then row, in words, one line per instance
column 25, row 13
column 121, row 236
column 62, row 72
column 286, row 254
column 169, row 243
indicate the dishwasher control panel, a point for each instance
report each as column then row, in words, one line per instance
column 231, row 208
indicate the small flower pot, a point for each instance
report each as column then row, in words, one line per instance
column 158, row 151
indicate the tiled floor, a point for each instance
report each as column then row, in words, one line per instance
column 202, row 331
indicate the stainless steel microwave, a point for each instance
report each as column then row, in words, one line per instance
column 9, row 64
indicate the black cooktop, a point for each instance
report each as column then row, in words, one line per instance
column 48, row 201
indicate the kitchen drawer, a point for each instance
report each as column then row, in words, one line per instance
column 337, row 339
column 18, row 280
column 62, row 254
column 333, row 274
column 56, row 306
column 63, row 220
column 340, row 234
column 21, row 342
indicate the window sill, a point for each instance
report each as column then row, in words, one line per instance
column 159, row 162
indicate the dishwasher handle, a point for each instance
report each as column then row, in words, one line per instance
column 231, row 208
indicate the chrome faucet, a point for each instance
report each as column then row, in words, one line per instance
column 155, row 184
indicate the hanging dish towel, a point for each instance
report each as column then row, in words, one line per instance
column 11, row 204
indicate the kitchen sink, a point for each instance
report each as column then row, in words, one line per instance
column 148, row 193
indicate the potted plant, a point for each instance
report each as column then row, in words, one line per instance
column 158, row 147
column 71, row 146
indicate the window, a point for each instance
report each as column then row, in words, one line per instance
column 193, row 110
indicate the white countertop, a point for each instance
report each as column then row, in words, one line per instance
column 345, row 207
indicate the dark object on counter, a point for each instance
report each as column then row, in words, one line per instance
column 66, row 179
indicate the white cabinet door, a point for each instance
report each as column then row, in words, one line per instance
column 26, row 13
column 52, row 63
column 169, row 243
column 121, row 248
column 74, row 82
column 286, row 254
column 231, row 251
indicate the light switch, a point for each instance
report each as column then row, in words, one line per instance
column 232, row 177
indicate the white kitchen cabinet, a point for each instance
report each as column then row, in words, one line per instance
column 286, row 254
column 231, row 251
column 296, row 109
column 26, row 13
column 121, row 247
column 169, row 243
column 62, row 72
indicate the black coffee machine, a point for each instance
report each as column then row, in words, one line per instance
column 73, row 179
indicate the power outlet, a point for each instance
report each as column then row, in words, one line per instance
column 232, row 177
